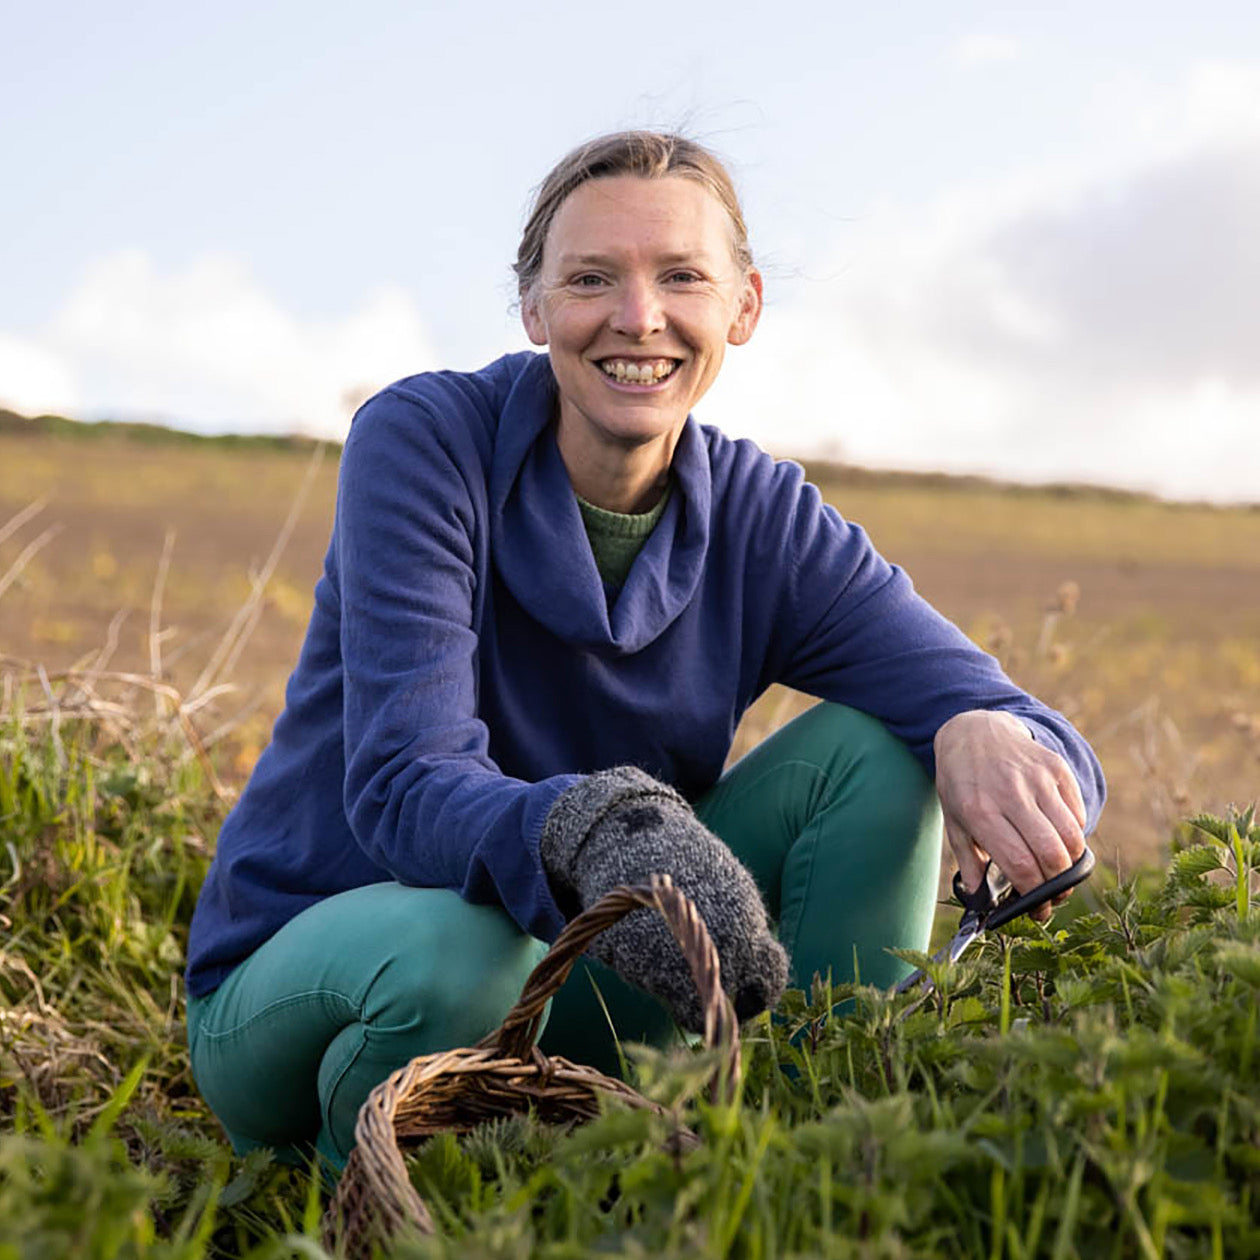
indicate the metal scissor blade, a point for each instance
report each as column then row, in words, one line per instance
column 963, row 940
column 970, row 929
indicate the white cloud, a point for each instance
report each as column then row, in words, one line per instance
column 982, row 48
column 1217, row 100
column 35, row 379
column 1093, row 320
column 206, row 346
column 1090, row 323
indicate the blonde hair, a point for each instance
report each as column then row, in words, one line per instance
column 647, row 154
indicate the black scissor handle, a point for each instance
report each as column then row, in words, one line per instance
column 988, row 893
column 1013, row 907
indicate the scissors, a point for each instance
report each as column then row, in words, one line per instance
column 996, row 902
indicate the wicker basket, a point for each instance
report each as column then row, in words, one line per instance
column 506, row 1074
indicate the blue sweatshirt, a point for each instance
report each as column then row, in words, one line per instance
column 465, row 664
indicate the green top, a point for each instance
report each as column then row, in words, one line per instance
column 616, row 537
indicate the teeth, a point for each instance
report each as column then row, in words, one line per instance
column 625, row 371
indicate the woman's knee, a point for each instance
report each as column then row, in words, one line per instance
column 448, row 979
column 871, row 773
column 451, row 974
column 391, row 971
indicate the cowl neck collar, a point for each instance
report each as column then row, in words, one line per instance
column 539, row 543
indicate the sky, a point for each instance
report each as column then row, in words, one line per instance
column 1010, row 239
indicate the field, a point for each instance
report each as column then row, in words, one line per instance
column 1084, row 1091
column 1139, row 619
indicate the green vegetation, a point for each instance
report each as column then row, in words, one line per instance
column 1086, row 1090
column 143, row 432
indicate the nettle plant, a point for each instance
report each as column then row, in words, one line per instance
column 1087, row 1089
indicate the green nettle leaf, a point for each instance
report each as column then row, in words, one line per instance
column 967, row 1010
column 821, row 1138
column 1034, row 956
column 1175, row 952
column 1076, row 991
column 1241, row 961
column 1245, row 1156
column 1208, row 897
column 1038, row 1048
column 917, row 1157
column 793, row 1004
column 1143, row 1051
column 1217, row 828
column 1024, row 929
column 241, row 1187
column 917, row 958
column 1189, row 1159
column 617, row 1128
column 1195, row 862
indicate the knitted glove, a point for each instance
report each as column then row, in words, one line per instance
column 621, row 826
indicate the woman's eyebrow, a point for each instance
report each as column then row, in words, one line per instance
column 585, row 260
column 604, row 260
column 683, row 256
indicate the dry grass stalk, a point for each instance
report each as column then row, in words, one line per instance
column 228, row 651
column 39, row 1042
column 233, row 723
column 156, row 634
column 18, row 519
column 54, row 726
column 82, row 693
column 28, row 553
column 119, row 716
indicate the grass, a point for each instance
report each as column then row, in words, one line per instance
column 1087, row 1090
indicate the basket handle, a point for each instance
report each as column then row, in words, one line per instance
column 516, row 1036
column 376, row 1194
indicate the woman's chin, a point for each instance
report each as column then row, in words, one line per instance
column 635, row 432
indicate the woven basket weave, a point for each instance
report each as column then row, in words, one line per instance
column 506, row 1074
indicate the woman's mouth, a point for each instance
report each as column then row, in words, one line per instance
column 638, row 371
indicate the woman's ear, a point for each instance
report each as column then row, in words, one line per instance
column 531, row 316
column 749, row 310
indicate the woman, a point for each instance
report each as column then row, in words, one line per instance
column 548, row 599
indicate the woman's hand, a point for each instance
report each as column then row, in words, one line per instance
column 621, row 826
column 1006, row 797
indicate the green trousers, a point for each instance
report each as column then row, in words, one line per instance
column 837, row 822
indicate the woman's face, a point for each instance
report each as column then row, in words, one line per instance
column 638, row 296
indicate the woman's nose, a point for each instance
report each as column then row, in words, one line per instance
column 639, row 311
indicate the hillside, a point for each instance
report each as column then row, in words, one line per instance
column 1139, row 619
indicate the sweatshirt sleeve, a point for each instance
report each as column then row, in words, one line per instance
column 423, row 797
column 855, row 631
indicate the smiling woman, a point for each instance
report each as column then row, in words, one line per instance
column 639, row 292
column 549, row 597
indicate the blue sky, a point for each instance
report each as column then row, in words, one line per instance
column 1006, row 238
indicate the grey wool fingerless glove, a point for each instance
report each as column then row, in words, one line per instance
column 619, row 827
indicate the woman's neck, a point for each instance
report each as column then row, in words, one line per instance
column 619, row 478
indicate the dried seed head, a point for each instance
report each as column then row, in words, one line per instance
column 1067, row 597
